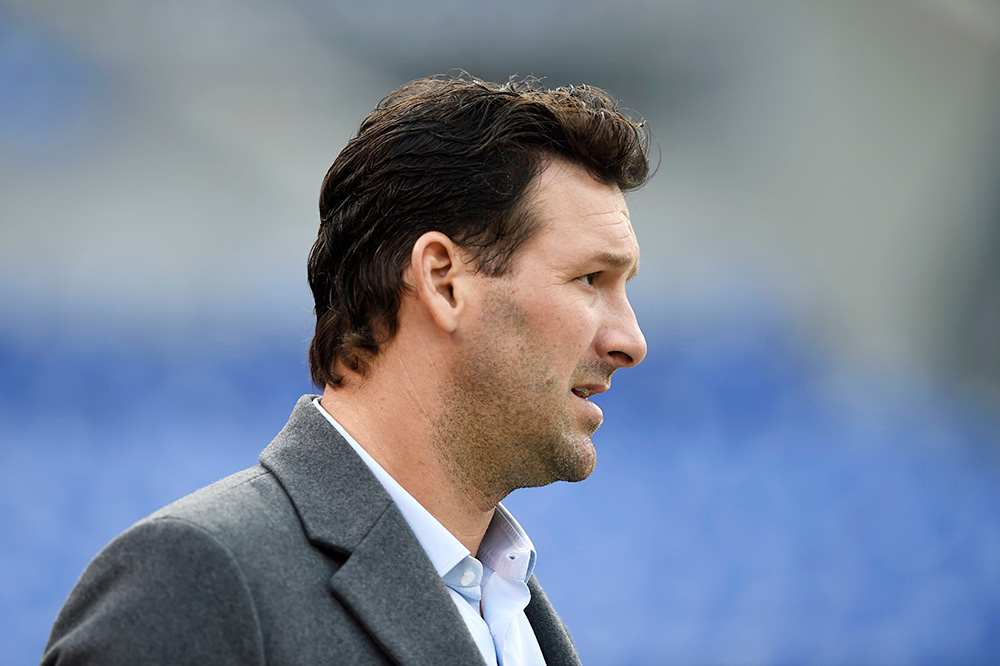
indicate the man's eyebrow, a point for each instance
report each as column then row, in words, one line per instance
column 621, row 261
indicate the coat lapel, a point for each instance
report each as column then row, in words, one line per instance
column 386, row 581
column 555, row 642
column 395, row 592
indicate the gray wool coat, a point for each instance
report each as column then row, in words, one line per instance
column 303, row 559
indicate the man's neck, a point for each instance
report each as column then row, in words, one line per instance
column 395, row 427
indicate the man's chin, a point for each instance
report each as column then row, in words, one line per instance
column 576, row 478
column 579, row 461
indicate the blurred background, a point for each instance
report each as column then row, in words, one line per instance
column 804, row 470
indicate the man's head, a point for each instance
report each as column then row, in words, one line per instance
column 456, row 156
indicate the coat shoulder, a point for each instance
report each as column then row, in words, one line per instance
column 248, row 502
column 157, row 581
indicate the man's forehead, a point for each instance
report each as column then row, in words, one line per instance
column 558, row 173
column 579, row 218
column 567, row 190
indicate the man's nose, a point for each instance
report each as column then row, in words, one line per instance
column 623, row 340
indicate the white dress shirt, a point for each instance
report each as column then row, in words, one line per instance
column 490, row 592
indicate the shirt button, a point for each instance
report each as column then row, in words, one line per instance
column 468, row 577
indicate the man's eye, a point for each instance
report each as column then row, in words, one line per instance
column 589, row 278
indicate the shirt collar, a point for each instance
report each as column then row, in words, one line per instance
column 506, row 547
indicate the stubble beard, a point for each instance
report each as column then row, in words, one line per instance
column 506, row 422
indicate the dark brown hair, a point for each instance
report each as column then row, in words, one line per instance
column 450, row 154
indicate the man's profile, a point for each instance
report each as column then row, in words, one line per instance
column 469, row 283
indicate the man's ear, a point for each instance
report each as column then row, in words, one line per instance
column 438, row 270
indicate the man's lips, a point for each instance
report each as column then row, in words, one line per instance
column 586, row 390
column 593, row 411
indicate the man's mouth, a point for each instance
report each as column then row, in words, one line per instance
column 586, row 390
column 592, row 409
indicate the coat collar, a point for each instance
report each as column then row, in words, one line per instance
column 336, row 496
column 386, row 581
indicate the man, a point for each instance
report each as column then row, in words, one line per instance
column 469, row 280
